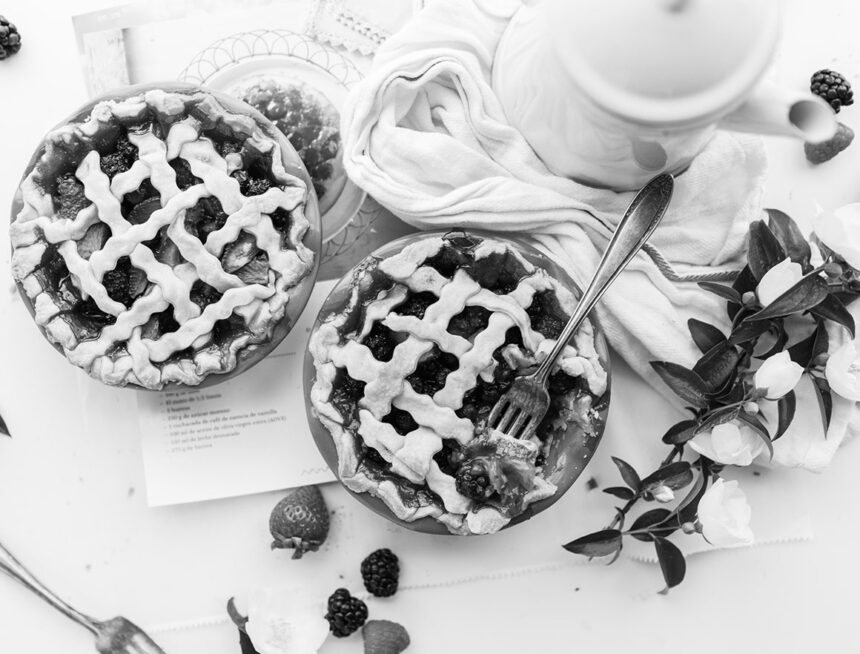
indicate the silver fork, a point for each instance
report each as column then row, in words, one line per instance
column 115, row 636
column 519, row 411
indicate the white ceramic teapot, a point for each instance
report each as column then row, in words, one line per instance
column 612, row 92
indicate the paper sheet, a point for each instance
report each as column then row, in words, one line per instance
column 247, row 435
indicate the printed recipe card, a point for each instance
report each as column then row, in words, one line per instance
column 247, row 435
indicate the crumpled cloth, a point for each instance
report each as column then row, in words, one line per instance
column 425, row 135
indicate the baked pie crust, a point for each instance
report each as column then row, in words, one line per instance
column 160, row 238
column 407, row 372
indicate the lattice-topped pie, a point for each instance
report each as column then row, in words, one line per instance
column 408, row 371
column 160, row 237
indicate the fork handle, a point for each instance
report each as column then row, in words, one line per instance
column 12, row 567
column 640, row 220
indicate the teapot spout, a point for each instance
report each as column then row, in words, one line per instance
column 774, row 110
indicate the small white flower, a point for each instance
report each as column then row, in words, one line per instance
column 840, row 231
column 843, row 371
column 663, row 494
column 778, row 280
column 725, row 515
column 777, row 375
column 285, row 621
column 729, row 444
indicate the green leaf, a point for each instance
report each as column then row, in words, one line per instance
column 717, row 366
column 790, row 237
column 628, row 474
column 647, row 521
column 680, row 432
column 621, row 492
column 725, row 292
column 786, row 407
column 778, row 343
column 600, row 543
column 825, row 400
column 4, row 430
column 676, row 475
column 672, row 563
column 804, row 352
column 805, row 294
column 764, row 250
column 749, row 331
column 718, row 417
column 832, row 308
column 759, row 428
column 689, row 506
column 705, row 336
column 684, row 382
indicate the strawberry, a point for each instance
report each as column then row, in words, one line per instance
column 300, row 521
column 820, row 152
column 384, row 637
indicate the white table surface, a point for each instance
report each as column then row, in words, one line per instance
column 71, row 481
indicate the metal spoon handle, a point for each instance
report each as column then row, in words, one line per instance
column 12, row 567
column 640, row 220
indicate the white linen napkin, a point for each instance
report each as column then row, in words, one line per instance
column 425, row 135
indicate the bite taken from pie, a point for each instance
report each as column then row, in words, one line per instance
column 410, row 354
column 165, row 236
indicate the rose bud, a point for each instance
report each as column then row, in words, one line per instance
column 778, row 280
column 777, row 375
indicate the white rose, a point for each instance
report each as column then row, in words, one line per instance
column 843, row 371
column 285, row 621
column 778, row 280
column 777, row 375
column 729, row 444
column 840, row 231
column 725, row 515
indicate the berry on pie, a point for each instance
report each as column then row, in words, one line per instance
column 312, row 125
column 408, row 371
column 159, row 238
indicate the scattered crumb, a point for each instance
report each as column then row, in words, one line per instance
column 88, row 567
column 576, row 590
column 81, row 480
column 591, row 484
column 756, row 473
column 131, row 491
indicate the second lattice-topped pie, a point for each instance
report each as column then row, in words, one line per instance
column 408, row 371
column 160, row 238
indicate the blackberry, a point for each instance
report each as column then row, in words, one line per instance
column 346, row 614
column 473, row 481
column 833, row 88
column 381, row 572
column 121, row 159
column 10, row 40
column 70, row 196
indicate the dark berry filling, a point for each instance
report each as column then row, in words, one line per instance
column 380, row 341
column 122, row 157
column 203, row 295
column 546, row 315
column 205, row 217
column 402, row 421
column 416, row 304
column 346, row 392
column 429, row 377
column 469, row 322
column 184, row 177
column 281, row 221
column 448, row 260
column 125, row 282
column 499, row 273
column 70, row 196
column 449, row 457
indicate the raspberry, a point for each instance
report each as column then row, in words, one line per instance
column 818, row 153
column 833, row 88
column 346, row 614
column 10, row 39
column 473, row 482
column 384, row 637
column 381, row 572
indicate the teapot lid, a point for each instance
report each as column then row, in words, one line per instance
column 664, row 61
